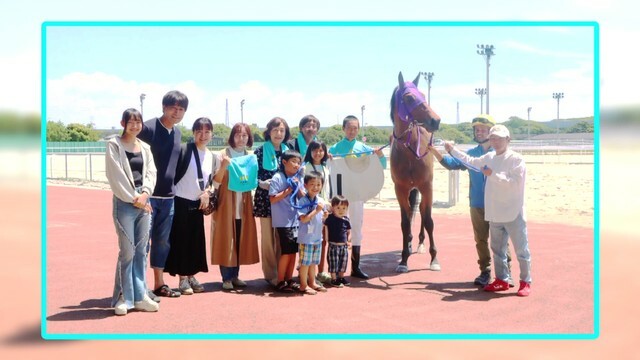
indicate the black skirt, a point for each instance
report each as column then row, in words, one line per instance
column 188, row 252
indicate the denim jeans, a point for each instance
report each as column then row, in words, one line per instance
column 132, row 227
column 500, row 233
column 161, row 220
column 229, row 272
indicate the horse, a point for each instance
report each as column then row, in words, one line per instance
column 412, row 164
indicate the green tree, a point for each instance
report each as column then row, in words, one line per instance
column 79, row 132
column 187, row 134
column 257, row 133
column 331, row 135
column 453, row 133
column 56, row 131
column 581, row 127
column 221, row 130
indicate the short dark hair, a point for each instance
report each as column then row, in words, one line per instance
column 288, row 155
column 307, row 119
column 339, row 200
column 202, row 123
column 313, row 146
column 129, row 114
column 273, row 123
column 175, row 97
column 236, row 129
column 350, row 118
column 313, row 175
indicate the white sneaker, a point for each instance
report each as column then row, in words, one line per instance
column 239, row 283
column 227, row 285
column 324, row 277
column 146, row 304
column 120, row 308
column 185, row 287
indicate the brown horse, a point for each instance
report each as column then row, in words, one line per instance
column 411, row 163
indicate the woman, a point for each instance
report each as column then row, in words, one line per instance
column 132, row 176
column 269, row 158
column 234, row 241
column 187, row 255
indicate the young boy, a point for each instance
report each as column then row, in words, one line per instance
column 284, row 217
column 339, row 234
column 504, row 206
column 310, row 213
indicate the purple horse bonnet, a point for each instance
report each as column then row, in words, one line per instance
column 404, row 110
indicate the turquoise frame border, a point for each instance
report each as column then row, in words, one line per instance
column 342, row 337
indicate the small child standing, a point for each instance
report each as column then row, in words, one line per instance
column 339, row 233
column 504, row 206
column 311, row 214
column 284, row 217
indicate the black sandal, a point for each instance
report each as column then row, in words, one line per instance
column 283, row 286
column 165, row 291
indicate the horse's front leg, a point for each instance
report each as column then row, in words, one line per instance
column 427, row 220
column 405, row 224
column 415, row 208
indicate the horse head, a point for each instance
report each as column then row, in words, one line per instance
column 409, row 105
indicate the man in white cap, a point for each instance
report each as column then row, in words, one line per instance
column 504, row 206
column 481, row 125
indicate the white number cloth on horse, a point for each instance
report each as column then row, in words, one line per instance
column 356, row 178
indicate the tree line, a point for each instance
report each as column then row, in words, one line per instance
column 460, row 133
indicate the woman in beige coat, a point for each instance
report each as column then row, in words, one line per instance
column 234, row 239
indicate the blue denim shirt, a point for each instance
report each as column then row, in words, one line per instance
column 476, row 179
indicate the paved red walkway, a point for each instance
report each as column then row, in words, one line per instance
column 82, row 252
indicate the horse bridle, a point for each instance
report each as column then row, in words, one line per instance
column 404, row 114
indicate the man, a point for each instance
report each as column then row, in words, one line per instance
column 481, row 125
column 308, row 126
column 164, row 139
column 506, row 172
column 347, row 146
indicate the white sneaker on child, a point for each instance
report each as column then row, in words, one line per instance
column 121, row 307
column 146, row 304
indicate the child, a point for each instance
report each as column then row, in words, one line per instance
column 310, row 212
column 504, row 206
column 131, row 173
column 284, row 216
column 339, row 237
column 316, row 160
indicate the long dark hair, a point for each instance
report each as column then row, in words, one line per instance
column 128, row 115
column 314, row 145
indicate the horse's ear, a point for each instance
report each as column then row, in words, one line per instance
column 415, row 81
column 400, row 80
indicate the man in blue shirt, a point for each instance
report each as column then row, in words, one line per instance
column 481, row 125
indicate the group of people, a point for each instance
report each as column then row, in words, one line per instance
column 161, row 187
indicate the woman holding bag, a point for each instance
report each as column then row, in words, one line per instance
column 187, row 255
column 234, row 239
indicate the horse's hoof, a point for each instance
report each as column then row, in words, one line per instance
column 402, row 269
column 435, row 267
column 422, row 249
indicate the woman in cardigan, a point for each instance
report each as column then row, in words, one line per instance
column 234, row 239
column 132, row 176
column 275, row 136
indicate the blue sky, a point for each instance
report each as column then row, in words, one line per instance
column 95, row 73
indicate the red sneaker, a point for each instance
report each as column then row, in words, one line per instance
column 497, row 285
column 525, row 288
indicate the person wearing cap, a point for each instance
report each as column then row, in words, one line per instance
column 481, row 125
column 506, row 171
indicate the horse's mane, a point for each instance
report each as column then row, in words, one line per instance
column 393, row 104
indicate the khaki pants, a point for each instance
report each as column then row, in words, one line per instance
column 270, row 249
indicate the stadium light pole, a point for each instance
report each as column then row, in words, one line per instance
column 242, row 111
column 362, row 120
column 481, row 92
column 428, row 76
column 487, row 52
column 142, row 96
column 558, row 96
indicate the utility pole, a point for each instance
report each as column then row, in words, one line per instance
column 558, row 96
column 142, row 97
column 482, row 92
column 242, row 111
column 429, row 77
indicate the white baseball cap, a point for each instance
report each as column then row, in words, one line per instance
column 499, row 131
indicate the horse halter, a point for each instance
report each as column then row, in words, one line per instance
column 404, row 112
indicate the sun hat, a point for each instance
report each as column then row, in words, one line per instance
column 499, row 131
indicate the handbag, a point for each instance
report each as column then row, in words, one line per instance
column 213, row 195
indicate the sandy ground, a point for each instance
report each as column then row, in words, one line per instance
column 559, row 188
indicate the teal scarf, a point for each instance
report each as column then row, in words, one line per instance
column 302, row 144
column 343, row 147
column 269, row 160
